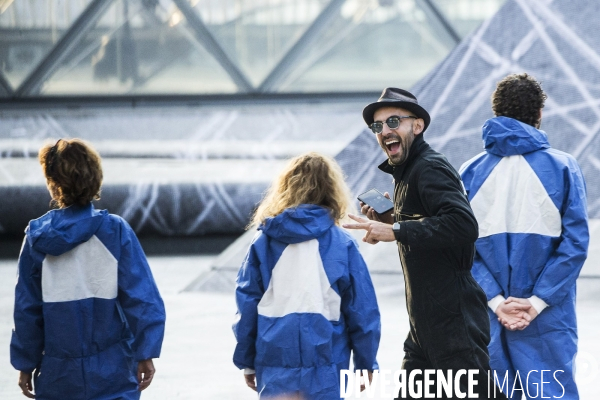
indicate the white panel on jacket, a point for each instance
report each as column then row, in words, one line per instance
column 299, row 285
column 89, row 270
column 513, row 200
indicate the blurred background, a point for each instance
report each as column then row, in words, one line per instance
column 199, row 47
column 195, row 105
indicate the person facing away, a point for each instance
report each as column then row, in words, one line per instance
column 304, row 296
column 530, row 202
column 88, row 317
column 435, row 228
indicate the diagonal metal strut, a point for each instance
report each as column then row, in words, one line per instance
column 208, row 41
column 31, row 85
column 297, row 51
column 5, row 87
column 431, row 8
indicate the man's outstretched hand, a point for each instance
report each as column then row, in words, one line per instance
column 145, row 373
column 376, row 231
column 515, row 313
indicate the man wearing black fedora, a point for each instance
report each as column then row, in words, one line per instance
column 435, row 228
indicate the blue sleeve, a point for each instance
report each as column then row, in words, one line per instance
column 27, row 343
column 139, row 298
column 473, row 173
column 360, row 309
column 562, row 269
column 484, row 277
column 248, row 292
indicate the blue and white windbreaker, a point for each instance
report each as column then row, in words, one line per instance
column 530, row 204
column 87, row 308
column 305, row 300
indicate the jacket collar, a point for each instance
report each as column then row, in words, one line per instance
column 503, row 136
column 418, row 146
column 60, row 230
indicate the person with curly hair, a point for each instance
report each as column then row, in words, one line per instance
column 304, row 295
column 519, row 96
column 530, row 203
column 88, row 317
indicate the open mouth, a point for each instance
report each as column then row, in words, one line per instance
column 392, row 146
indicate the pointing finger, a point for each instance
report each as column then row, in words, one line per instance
column 357, row 218
column 356, row 226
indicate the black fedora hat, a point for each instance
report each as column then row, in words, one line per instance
column 394, row 97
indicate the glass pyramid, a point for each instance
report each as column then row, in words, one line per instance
column 29, row 30
column 204, row 47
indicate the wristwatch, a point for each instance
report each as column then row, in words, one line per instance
column 396, row 229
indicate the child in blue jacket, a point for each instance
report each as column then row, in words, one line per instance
column 304, row 295
column 88, row 315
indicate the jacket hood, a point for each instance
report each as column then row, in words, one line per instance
column 59, row 231
column 298, row 224
column 503, row 136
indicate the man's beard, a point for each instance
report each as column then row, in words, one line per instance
column 404, row 146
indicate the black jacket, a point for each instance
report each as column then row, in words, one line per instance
column 433, row 209
column 449, row 323
column 436, row 240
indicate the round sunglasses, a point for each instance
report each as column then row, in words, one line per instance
column 392, row 122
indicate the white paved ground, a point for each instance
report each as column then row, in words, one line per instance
column 196, row 361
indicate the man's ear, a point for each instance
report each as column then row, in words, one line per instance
column 418, row 126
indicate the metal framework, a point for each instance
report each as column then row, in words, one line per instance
column 30, row 87
column 207, row 40
column 438, row 16
column 310, row 36
column 83, row 24
column 5, row 88
column 137, row 101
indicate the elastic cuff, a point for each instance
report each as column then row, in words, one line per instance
column 249, row 371
column 397, row 236
column 537, row 303
column 495, row 302
column 401, row 234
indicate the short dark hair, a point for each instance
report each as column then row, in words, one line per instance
column 519, row 96
column 73, row 171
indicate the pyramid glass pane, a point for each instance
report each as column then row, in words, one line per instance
column 555, row 42
column 466, row 15
column 140, row 47
column 28, row 31
column 257, row 34
column 369, row 47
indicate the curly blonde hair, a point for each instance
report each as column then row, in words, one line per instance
column 310, row 178
column 73, row 171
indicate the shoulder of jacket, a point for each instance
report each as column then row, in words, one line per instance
column 345, row 238
column 566, row 158
column 429, row 165
column 560, row 160
column 471, row 162
column 117, row 219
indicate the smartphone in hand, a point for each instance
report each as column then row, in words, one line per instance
column 376, row 200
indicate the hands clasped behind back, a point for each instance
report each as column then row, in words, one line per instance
column 516, row 313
